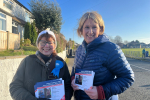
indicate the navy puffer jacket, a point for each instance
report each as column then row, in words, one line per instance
column 107, row 60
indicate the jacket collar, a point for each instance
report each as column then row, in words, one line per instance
column 41, row 60
column 95, row 43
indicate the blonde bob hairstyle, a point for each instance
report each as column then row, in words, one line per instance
column 97, row 18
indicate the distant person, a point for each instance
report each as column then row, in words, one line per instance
column 143, row 53
column 40, row 67
column 106, row 59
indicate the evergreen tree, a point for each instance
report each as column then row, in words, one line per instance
column 27, row 32
column 33, row 33
column 46, row 14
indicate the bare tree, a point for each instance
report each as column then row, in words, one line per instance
column 126, row 42
column 111, row 39
column 118, row 39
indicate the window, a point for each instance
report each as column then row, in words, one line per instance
column 14, row 27
column 2, row 22
column 7, row 4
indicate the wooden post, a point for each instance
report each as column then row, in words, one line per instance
column 7, row 40
column 19, row 41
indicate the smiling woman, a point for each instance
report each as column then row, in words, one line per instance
column 113, row 74
column 47, row 43
column 90, row 31
column 40, row 67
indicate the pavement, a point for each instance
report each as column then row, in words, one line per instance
column 70, row 62
column 147, row 59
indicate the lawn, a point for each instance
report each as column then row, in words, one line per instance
column 25, row 50
column 28, row 50
column 137, row 51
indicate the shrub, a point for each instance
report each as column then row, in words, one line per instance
column 61, row 43
column 58, row 49
column 21, row 42
column 27, row 42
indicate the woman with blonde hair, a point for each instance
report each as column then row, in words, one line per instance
column 113, row 74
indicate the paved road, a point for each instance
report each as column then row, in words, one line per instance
column 70, row 61
column 140, row 90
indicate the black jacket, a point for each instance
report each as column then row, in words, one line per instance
column 32, row 70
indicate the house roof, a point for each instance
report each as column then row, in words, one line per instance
column 20, row 21
column 13, row 17
column 22, row 5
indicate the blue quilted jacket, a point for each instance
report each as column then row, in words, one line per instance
column 107, row 60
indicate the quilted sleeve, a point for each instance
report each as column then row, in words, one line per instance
column 118, row 66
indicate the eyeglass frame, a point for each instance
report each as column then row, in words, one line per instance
column 50, row 43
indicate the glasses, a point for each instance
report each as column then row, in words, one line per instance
column 43, row 43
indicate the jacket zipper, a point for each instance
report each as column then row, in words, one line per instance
column 84, row 58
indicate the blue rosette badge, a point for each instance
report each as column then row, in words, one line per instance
column 58, row 65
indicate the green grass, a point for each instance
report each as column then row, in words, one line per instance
column 28, row 50
column 136, row 50
column 25, row 50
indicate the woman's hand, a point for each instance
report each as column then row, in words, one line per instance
column 92, row 93
column 75, row 87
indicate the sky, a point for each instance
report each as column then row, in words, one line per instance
column 129, row 19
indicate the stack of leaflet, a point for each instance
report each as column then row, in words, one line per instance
column 84, row 79
column 51, row 89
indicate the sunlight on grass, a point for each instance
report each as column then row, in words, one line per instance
column 136, row 49
column 29, row 48
column 26, row 50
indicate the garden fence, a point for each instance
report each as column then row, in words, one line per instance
column 133, row 54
